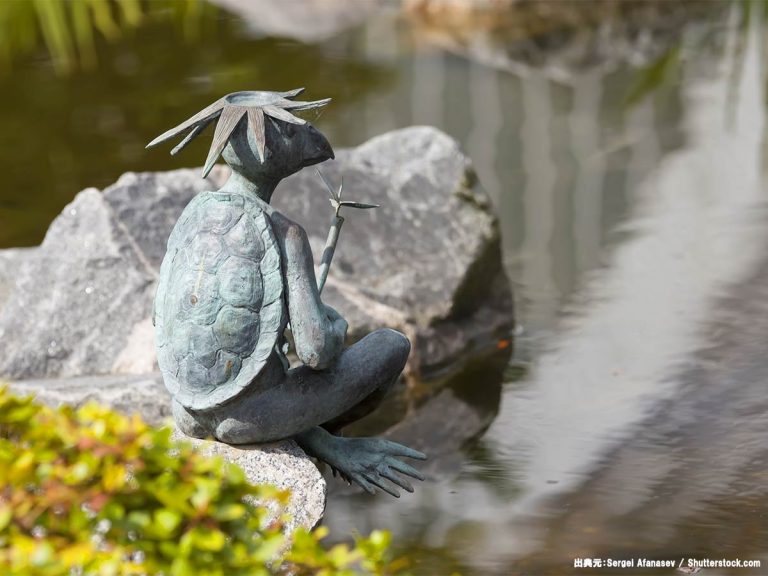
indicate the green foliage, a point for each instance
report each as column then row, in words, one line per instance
column 90, row 491
column 68, row 28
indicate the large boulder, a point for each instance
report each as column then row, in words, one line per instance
column 427, row 262
column 80, row 303
column 11, row 262
column 77, row 299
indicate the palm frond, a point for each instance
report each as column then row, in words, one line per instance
column 291, row 93
column 256, row 122
column 299, row 105
column 228, row 121
column 281, row 114
column 208, row 113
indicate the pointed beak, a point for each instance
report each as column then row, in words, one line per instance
column 317, row 149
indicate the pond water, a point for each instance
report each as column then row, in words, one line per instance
column 632, row 418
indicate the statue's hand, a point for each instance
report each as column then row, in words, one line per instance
column 340, row 325
column 375, row 462
column 332, row 313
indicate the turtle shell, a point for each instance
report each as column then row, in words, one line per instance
column 219, row 308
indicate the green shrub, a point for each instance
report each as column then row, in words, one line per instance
column 90, row 491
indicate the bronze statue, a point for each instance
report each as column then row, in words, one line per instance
column 236, row 274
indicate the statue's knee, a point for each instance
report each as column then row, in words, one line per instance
column 230, row 431
column 397, row 346
column 188, row 423
column 402, row 347
column 235, row 431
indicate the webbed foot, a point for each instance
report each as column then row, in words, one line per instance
column 368, row 462
column 374, row 463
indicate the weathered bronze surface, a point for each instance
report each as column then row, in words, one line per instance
column 237, row 273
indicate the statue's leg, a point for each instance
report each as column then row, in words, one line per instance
column 361, row 410
column 305, row 398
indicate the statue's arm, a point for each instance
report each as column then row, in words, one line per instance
column 318, row 331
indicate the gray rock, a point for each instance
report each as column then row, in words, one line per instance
column 148, row 204
column 78, row 297
column 427, row 262
column 80, row 304
column 281, row 464
column 143, row 394
column 11, row 262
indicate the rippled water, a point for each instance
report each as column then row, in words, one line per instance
column 632, row 420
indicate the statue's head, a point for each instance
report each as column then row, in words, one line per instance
column 257, row 134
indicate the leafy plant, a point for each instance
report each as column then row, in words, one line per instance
column 90, row 491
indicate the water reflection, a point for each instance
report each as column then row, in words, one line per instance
column 690, row 478
column 563, row 38
column 633, row 215
column 625, row 217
